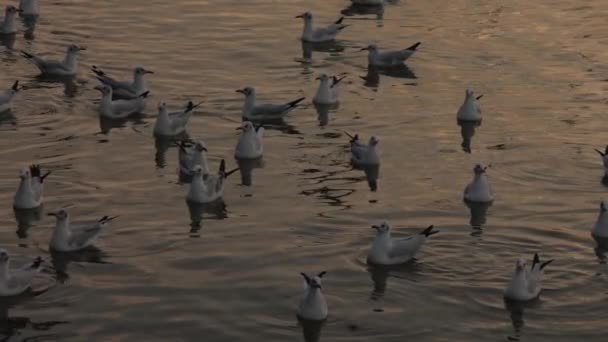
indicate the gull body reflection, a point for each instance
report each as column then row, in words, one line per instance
column 311, row 330
column 308, row 48
column 372, row 78
column 246, row 167
column 61, row 260
column 357, row 9
column 467, row 131
column 516, row 313
column 323, row 111
column 218, row 209
column 25, row 219
column 479, row 212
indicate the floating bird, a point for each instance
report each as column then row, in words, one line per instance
column 479, row 189
column 388, row 58
column 266, row 111
column 191, row 155
column 361, row 154
column 64, row 68
column 70, row 238
column 322, row 34
column 367, row 2
column 526, row 284
column 172, row 124
column 124, row 89
column 600, row 228
column 604, row 156
column 29, row 193
column 29, row 8
column 208, row 188
column 9, row 25
column 250, row 144
column 313, row 306
column 119, row 109
column 388, row 251
column 470, row 109
column 16, row 281
column 6, row 97
column 327, row 93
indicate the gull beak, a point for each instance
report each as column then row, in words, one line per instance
column 52, row 214
column 318, row 78
column 20, row 10
column 364, row 49
column 98, row 88
column 205, row 149
column 242, row 91
column 239, row 128
column 300, row 16
column 479, row 97
column 82, row 48
column 375, row 227
column 148, row 71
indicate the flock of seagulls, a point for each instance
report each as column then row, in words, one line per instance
column 120, row 99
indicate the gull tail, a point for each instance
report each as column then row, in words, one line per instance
column 294, row 103
column 144, row 95
column 429, row 231
column 337, row 80
column 414, row 47
column 353, row 138
column 27, row 55
column 536, row 260
column 35, row 172
column 183, row 145
column 15, row 86
column 36, row 263
column 479, row 97
column 546, row 263
column 339, row 21
column 98, row 72
column 106, row 219
column 191, row 106
column 600, row 152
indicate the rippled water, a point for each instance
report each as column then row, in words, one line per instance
column 541, row 66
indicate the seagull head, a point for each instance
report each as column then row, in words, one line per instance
column 140, row 71
column 371, row 48
column 10, row 10
column 323, row 78
column 520, row 265
column 197, row 170
column 247, row 91
column 200, row 146
column 162, row 105
column 603, row 206
column 246, row 126
column 469, row 94
column 24, row 173
column 4, row 257
column 60, row 214
column 75, row 48
column 373, row 140
column 313, row 282
column 480, row 168
column 306, row 16
column 384, row 227
column 105, row 90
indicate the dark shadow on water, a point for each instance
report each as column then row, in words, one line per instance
column 372, row 173
column 311, row 330
column 324, row 111
column 354, row 10
column 467, row 131
column 601, row 248
column 516, row 313
column 380, row 274
column 8, row 40
column 29, row 22
column 25, row 219
column 8, row 118
column 61, row 260
column 372, row 78
column 70, row 88
column 217, row 209
column 106, row 124
column 246, row 167
column 327, row 47
column 479, row 213
column 162, row 145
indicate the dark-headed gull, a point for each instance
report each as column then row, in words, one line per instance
column 389, row 58
column 319, row 34
column 16, row 281
column 250, row 144
column 479, row 189
column 190, row 155
column 122, row 108
column 69, row 237
column 362, row 154
column 526, row 284
column 470, row 109
column 393, row 251
column 253, row 111
column 29, row 192
column 208, row 188
column 327, row 93
column 66, row 67
column 313, row 306
column 174, row 123
column 124, row 89
column 9, row 25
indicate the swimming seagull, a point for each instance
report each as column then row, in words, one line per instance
column 67, row 67
column 266, row 111
column 174, row 123
column 29, row 8
column 322, row 34
column 124, row 89
column 16, row 281
column 361, row 154
column 388, row 58
column 8, row 24
column 526, row 284
column 388, row 251
column 6, row 97
column 70, row 238
column 119, row 109
column 208, row 188
column 479, row 189
column 250, row 144
column 470, row 109
column 313, row 306
column 29, row 192
column 600, row 228
column 191, row 155
column 604, row 156
column 327, row 93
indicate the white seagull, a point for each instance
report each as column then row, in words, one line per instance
column 16, row 281
column 64, row 68
column 526, row 284
column 29, row 8
column 6, row 97
column 313, row 306
column 361, row 154
column 265, row 111
column 327, row 93
column 192, row 155
column 600, row 228
column 389, row 58
column 119, row 109
column 470, row 109
column 70, row 238
column 174, row 123
column 124, row 89
column 250, row 144
column 604, row 156
column 9, row 25
column 388, row 251
column 321, row 34
column 29, row 192
column 208, row 188
column 479, row 189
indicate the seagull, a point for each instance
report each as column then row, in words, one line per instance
column 604, row 156
column 388, row 58
column 208, row 188
column 388, row 251
column 322, row 34
column 70, row 238
column 526, row 284
column 29, row 8
column 6, row 97
column 119, row 109
column 16, row 281
column 479, row 189
column 361, row 154
column 469, row 110
column 367, row 2
column 172, row 124
column 313, row 306
column 267, row 111
column 67, row 67
column 124, row 89
column 250, row 142
column 191, row 156
column 8, row 24
column 29, row 193
column 327, row 93
column 600, row 228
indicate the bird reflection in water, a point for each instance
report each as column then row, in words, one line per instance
column 467, row 131
column 479, row 212
column 246, row 167
column 8, row 40
column 107, row 124
column 324, row 111
column 25, row 219
column 380, row 274
column 333, row 47
column 162, row 145
column 218, row 209
column 70, row 87
column 355, row 9
column 372, row 79
column 516, row 311
column 601, row 248
column 29, row 22
column 311, row 330
column 61, row 260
